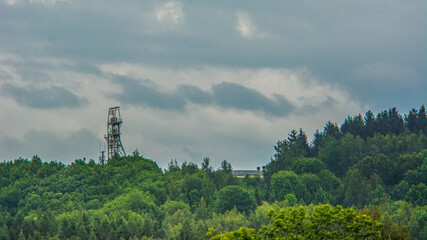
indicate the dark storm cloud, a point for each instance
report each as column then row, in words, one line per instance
column 224, row 95
column 147, row 94
column 195, row 94
column 50, row 146
column 232, row 95
column 42, row 98
column 332, row 39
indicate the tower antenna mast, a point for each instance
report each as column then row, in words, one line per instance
column 114, row 143
column 102, row 157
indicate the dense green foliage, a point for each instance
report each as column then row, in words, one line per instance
column 375, row 167
column 325, row 222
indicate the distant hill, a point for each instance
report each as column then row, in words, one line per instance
column 375, row 164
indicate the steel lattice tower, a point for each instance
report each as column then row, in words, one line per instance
column 114, row 144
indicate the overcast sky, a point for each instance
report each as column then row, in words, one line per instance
column 194, row 79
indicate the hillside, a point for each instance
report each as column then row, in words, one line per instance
column 375, row 164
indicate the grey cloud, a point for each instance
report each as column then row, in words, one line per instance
column 319, row 106
column 51, row 146
column 195, row 94
column 223, row 95
column 34, row 70
column 194, row 156
column 5, row 75
column 84, row 67
column 43, row 98
column 232, row 95
column 29, row 70
column 147, row 94
column 332, row 44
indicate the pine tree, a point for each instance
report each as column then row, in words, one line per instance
column 382, row 123
column 355, row 126
column 422, row 120
column 396, row 122
column 332, row 130
column 318, row 141
column 412, row 120
column 369, row 124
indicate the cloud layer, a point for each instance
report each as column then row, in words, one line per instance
column 147, row 95
column 43, row 98
column 225, row 95
column 246, row 27
column 170, row 12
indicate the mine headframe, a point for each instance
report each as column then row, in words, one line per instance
column 114, row 143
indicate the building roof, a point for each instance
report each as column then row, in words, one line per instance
column 243, row 173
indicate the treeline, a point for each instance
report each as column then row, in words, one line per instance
column 375, row 167
column 348, row 164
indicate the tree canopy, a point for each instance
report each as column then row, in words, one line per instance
column 374, row 166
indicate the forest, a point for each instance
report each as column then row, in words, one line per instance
column 363, row 179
